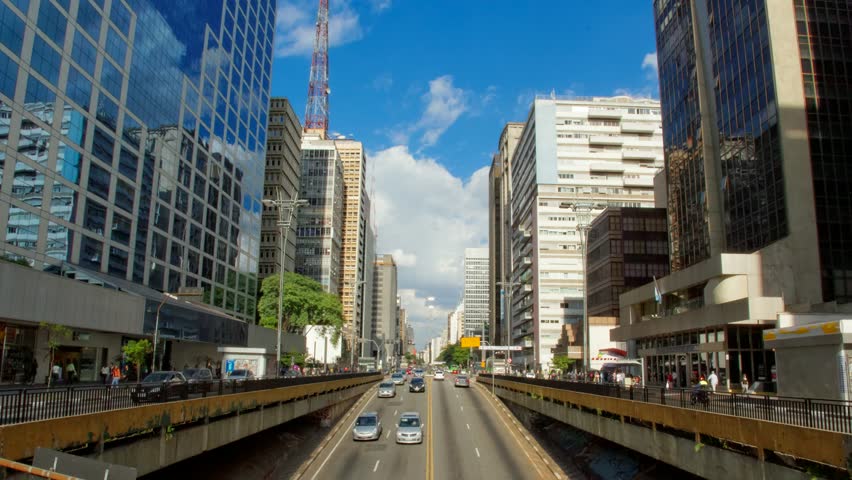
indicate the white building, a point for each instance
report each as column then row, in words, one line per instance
column 320, row 347
column 455, row 324
column 575, row 158
column 436, row 346
column 476, row 320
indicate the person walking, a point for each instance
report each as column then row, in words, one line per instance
column 713, row 380
column 71, row 370
column 105, row 374
column 116, row 374
column 745, row 383
column 669, row 381
column 56, row 373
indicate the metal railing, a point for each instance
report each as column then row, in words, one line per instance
column 21, row 405
column 823, row 414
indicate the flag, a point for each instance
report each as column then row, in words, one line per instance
column 657, row 295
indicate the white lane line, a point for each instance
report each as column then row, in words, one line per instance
column 338, row 442
column 395, row 412
column 402, row 398
column 477, row 454
column 377, row 466
column 388, row 435
column 462, row 408
column 468, row 426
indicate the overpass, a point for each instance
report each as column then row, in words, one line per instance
column 103, row 423
column 732, row 436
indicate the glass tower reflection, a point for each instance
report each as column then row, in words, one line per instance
column 135, row 144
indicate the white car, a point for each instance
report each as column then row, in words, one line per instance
column 439, row 375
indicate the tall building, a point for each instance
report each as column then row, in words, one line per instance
column 320, row 221
column 476, row 292
column 757, row 143
column 499, row 232
column 369, row 294
column 455, row 325
column 280, row 181
column 355, row 231
column 574, row 158
column 385, row 320
column 132, row 155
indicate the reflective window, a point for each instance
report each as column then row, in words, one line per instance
column 89, row 19
column 63, row 202
column 120, row 229
column 84, row 53
column 158, row 246
column 124, row 194
column 116, row 47
column 131, row 130
column 127, row 163
column 182, row 200
column 209, row 244
column 8, row 75
column 94, row 219
column 117, row 262
column 102, row 146
column 111, row 79
column 22, row 229
column 59, row 241
column 176, row 255
column 195, row 235
column 79, row 88
column 120, row 16
column 98, row 181
column 23, row 5
column 91, row 252
column 37, row 92
column 207, row 268
column 199, row 185
column 174, row 280
column 68, row 163
column 28, row 184
column 161, row 217
column 11, row 29
column 34, row 141
column 45, row 60
column 155, row 277
column 179, row 227
column 192, row 263
column 197, row 210
column 52, row 22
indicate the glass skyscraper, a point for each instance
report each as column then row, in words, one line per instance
column 132, row 140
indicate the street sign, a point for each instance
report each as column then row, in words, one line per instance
column 513, row 348
column 470, row 342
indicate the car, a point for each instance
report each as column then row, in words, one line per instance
column 199, row 379
column 160, row 387
column 418, row 373
column 387, row 390
column 410, row 428
column 398, row 379
column 439, row 375
column 368, row 426
column 529, row 375
column 241, row 375
column 417, row 385
column 462, row 381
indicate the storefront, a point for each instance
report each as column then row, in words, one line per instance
column 731, row 351
column 18, row 361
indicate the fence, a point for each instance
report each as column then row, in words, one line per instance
column 41, row 403
column 823, row 414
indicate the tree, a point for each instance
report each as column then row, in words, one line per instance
column 136, row 351
column 294, row 358
column 562, row 362
column 409, row 358
column 305, row 303
column 455, row 355
column 55, row 334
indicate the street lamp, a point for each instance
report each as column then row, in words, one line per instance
column 286, row 209
column 166, row 296
column 378, row 348
column 352, row 327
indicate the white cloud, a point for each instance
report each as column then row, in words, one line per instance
column 651, row 89
column 380, row 5
column 383, row 82
column 444, row 104
column 403, row 259
column 650, row 63
column 430, row 216
column 428, row 323
column 296, row 28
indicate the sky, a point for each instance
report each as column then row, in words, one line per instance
column 427, row 86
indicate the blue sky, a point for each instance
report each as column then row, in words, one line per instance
column 427, row 85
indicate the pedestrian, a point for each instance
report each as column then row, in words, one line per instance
column 669, row 381
column 674, row 379
column 619, row 377
column 56, row 372
column 72, row 372
column 104, row 374
column 31, row 372
column 745, row 383
column 714, row 380
column 116, row 374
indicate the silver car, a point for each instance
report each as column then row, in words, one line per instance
column 368, row 426
column 387, row 390
column 410, row 428
column 398, row 379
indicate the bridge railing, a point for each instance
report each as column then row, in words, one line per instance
column 823, row 414
column 18, row 405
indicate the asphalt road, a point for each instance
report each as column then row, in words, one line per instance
column 464, row 438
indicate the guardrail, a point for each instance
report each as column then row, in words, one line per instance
column 41, row 403
column 823, row 414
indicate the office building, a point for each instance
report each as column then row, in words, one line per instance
column 499, row 233
column 385, row 316
column 455, row 324
column 757, row 144
column 280, row 182
column 369, row 295
column 575, row 157
column 476, row 292
column 132, row 158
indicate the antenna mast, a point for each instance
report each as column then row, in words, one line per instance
column 316, row 111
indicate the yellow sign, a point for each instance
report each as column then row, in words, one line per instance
column 482, row 364
column 470, row 342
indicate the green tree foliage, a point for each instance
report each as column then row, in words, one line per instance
column 55, row 335
column 305, row 303
column 562, row 362
column 455, row 355
column 410, row 358
column 294, row 358
column 136, row 351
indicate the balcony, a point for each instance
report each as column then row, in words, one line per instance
column 638, row 181
column 605, row 112
column 638, row 127
column 606, row 140
column 639, row 154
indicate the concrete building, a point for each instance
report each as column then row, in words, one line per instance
column 500, row 232
column 321, row 347
column 757, row 192
column 116, row 172
column 436, row 346
column 369, row 295
column 385, row 316
column 455, row 324
column 476, row 292
column 280, row 181
column 575, row 158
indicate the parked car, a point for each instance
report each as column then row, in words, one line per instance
column 410, row 428
column 462, row 381
column 199, row 379
column 368, row 426
column 417, row 384
column 160, row 387
column 241, row 375
column 387, row 390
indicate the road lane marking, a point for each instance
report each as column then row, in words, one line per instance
column 342, row 436
column 395, row 412
column 388, row 435
column 468, row 426
column 462, row 408
column 377, row 466
column 402, row 398
column 430, row 454
column 477, row 453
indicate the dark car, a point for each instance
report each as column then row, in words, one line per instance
column 160, row 387
column 417, row 385
column 240, row 376
column 199, row 379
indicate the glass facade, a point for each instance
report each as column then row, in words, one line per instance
column 128, row 114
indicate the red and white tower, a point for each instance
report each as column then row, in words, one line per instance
column 316, row 112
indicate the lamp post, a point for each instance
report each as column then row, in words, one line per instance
column 166, row 296
column 583, row 212
column 352, row 335
column 286, row 209
column 378, row 348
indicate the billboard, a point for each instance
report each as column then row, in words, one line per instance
column 470, row 342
